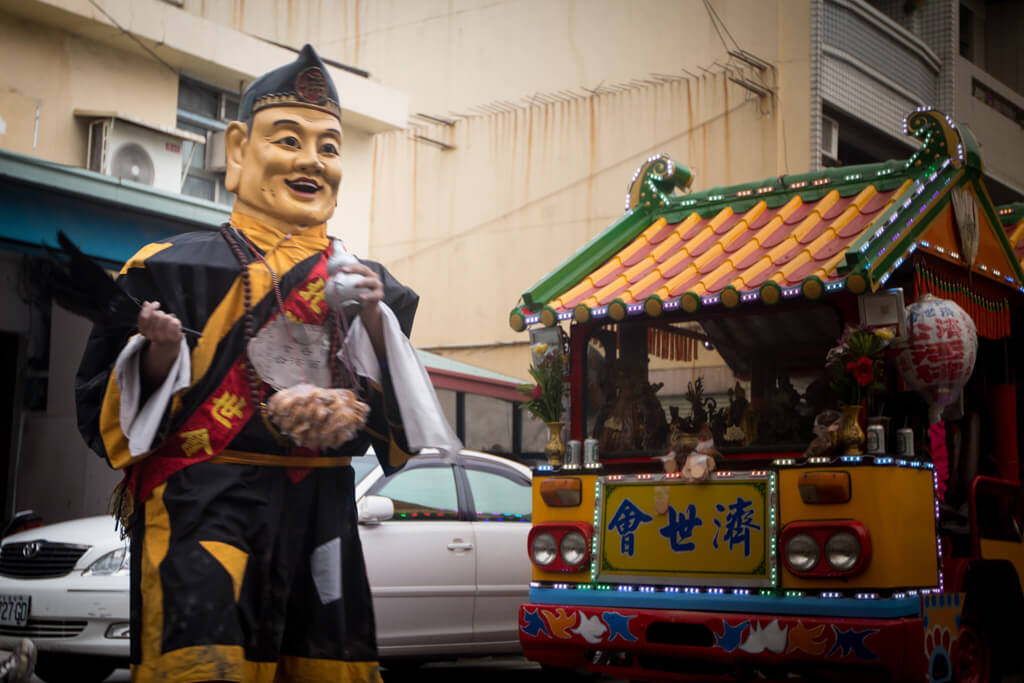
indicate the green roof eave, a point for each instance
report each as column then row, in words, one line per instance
column 586, row 259
column 776, row 191
column 992, row 213
column 99, row 187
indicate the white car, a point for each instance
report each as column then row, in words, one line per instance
column 445, row 548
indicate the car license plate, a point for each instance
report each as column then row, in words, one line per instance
column 14, row 609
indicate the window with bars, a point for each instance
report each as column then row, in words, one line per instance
column 206, row 111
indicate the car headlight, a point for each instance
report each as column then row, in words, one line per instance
column 111, row 563
column 802, row 553
column 573, row 548
column 543, row 549
column 842, row 551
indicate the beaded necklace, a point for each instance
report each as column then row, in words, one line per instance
column 338, row 326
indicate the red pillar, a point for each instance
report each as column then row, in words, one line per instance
column 1004, row 408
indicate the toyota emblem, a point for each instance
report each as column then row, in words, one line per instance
column 30, row 550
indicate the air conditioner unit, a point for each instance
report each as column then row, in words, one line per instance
column 216, row 158
column 129, row 148
column 830, row 138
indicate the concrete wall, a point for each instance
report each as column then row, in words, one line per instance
column 56, row 474
column 1001, row 138
column 472, row 227
column 59, row 476
column 1004, row 53
column 453, row 56
column 55, row 72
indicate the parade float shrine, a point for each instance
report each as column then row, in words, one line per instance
column 894, row 550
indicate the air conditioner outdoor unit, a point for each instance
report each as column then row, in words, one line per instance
column 216, row 158
column 128, row 148
column 830, row 138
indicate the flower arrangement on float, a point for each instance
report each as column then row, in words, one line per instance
column 545, row 396
column 856, row 369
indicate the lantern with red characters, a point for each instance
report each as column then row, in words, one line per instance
column 940, row 353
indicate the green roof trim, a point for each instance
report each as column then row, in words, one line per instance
column 949, row 156
column 1004, row 240
column 777, row 191
column 586, row 259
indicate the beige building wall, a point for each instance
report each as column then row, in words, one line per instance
column 47, row 73
column 471, row 227
column 520, row 190
column 452, row 56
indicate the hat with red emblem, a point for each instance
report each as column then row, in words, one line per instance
column 305, row 82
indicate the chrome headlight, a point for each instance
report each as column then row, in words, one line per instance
column 802, row 553
column 574, row 548
column 842, row 551
column 543, row 549
column 114, row 562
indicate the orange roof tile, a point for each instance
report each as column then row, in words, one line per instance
column 849, row 227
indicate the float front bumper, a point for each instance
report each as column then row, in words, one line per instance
column 684, row 645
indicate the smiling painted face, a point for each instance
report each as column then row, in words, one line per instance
column 286, row 171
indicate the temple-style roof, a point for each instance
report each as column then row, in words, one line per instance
column 1012, row 216
column 842, row 229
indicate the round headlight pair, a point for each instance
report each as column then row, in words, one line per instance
column 544, row 549
column 842, row 551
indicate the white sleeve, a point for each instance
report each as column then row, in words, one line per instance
column 139, row 423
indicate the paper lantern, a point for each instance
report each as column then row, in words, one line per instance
column 939, row 355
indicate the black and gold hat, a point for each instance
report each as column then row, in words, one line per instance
column 305, row 82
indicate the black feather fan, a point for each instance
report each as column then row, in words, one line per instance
column 82, row 286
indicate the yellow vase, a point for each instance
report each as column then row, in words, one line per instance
column 554, row 449
column 850, row 437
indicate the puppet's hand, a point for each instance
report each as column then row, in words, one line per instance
column 371, row 290
column 161, row 329
column 374, row 290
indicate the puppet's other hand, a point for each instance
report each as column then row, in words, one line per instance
column 161, row 329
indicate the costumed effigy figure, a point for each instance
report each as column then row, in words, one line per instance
column 236, row 435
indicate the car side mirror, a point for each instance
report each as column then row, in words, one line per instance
column 375, row 509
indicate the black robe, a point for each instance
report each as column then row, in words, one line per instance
column 194, row 275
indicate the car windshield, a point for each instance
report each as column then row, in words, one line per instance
column 363, row 465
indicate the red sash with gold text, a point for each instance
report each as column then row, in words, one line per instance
column 228, row 408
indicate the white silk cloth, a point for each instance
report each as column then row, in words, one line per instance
column 422, row 416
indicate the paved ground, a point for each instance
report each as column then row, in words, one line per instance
column 491, row 669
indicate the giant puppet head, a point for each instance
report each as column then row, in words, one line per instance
column 284, row 154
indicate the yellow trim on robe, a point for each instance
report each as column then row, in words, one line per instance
column 303, row 670
column 139, row 259
column 396, row 456
column 234, row 561
column 114, row 440
column 201, row 663
column 282, row 252
column 155, row 543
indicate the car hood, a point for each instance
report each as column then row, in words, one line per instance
column 95, row 531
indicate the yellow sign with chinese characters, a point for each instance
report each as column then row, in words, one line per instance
column 659, row 530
